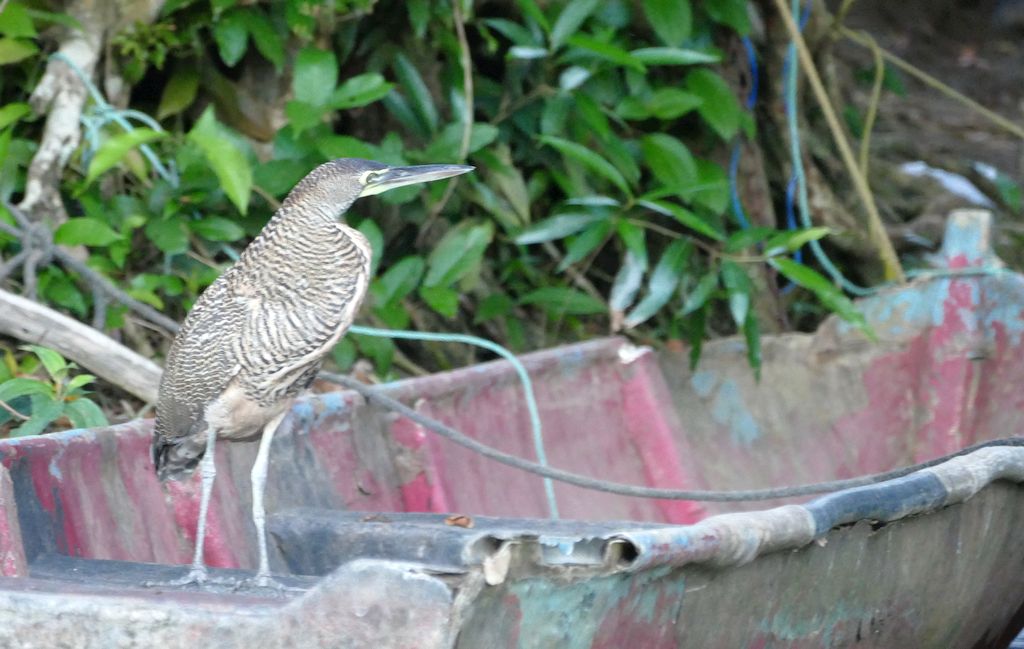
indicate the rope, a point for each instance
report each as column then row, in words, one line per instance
column 373, row 394
column 524, row 378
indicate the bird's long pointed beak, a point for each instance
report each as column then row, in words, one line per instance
column 402, row 176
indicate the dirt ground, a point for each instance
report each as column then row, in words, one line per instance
column 976, row 48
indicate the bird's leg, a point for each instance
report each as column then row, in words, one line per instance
column 207, row 471
column 259, row 483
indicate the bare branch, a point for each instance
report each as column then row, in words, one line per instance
column 26, row 320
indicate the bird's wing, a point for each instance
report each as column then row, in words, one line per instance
column 201, row 361
column 284, row 336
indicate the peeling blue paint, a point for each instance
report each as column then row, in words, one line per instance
column 703, row 382
column 730, row 410
column 727, row 407
column 794, row 627
column 1002, row 300
column 568, row 616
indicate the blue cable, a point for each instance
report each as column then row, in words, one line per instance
column 107, row 113
column 798, row 166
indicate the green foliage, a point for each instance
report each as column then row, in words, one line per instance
column 29, row 406
column 594, row 127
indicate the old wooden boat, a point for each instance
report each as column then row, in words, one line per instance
column 362, row 501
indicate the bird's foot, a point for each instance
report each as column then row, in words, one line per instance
column 265, row 581
column 197, row 576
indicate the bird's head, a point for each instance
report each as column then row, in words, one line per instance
column 335, row 185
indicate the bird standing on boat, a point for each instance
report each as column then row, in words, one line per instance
column 257, row 336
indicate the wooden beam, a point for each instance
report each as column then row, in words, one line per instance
column 108, row 359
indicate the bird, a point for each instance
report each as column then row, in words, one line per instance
column 257, row 336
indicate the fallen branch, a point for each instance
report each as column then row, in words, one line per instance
column 32, row 322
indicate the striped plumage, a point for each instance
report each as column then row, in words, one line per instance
column 255, row 338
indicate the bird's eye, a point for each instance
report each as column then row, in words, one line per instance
column 370, row 177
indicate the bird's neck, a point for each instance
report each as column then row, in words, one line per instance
column 299, row 241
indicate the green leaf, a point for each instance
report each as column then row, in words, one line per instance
column 587, row 241
column 481, row 135
column 570, row 20
column 398, row 281
column 179, row 93
column 670, row 162
column 115, row 149
column 345, row 146
column 531, row 10
column 58, row 288
column 232, row 37
column 526, row 53
column 518, row 34
column 572, row 78
column 79, row 381
column 419, row 16
column 752, row 334
column 373, row 234
column 720, row 108
column 670, row 103
column 441, row 299
column 794, row 239
column 684, row 216
column 85, row 231
column 83, row 413
column 344, row 354
column 268, row 42
column 743, row 239
column 712, row 187
column 360, row 90
column 448, row 142
column 62, row 19
column 16, row 22
column 169, row 234
column 560, row 299
column 830, row 296
column 277, row 177
column 556, row 227
column 698, row 297
column 671, row 20
column 662, row 283
column 606, row 51
column 22, row 387
column 732, row 13
column 229, row 163
column 12, row 113
column 13, row 50
column 303, row 116
column 217, row 228
column 380, row 350
column 458, row 253
column 54, row 363
column 413, row 86
column 627, row 282
column 45, row 410
column 493, row 306
column 315, row 77
column 635, row 239
column 674, row 56
column 738, row 286
column 588, row 159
